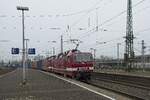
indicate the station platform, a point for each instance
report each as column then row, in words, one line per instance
column 42, row 86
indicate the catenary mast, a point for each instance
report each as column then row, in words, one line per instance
column 129, row 50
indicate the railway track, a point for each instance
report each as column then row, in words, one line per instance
column 133, row 86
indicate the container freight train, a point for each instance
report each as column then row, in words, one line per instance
column 73, row 63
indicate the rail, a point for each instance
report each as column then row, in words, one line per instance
column 134, row 86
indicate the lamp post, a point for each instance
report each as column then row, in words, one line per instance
column 94, row 54
column 27, row 40
column 23, row 41
column 2, row 41
column 118, row 56
column 27, row 59
column 61, row 41
column 53, row 49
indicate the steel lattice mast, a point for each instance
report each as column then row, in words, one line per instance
column 129, row 50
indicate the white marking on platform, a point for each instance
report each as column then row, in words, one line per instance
column 96, row 92
column 7, row 73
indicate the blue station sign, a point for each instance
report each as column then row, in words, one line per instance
column 15, row 51
column 31, row 51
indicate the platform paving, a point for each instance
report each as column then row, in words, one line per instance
column 41, row 86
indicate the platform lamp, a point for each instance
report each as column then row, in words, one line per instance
column 23, row 42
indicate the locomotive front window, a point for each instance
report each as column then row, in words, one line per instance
column 83, row 57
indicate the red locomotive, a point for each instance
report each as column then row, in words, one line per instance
column 72, row 63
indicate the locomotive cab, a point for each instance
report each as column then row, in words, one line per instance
column 83, row 60
column 83, row 63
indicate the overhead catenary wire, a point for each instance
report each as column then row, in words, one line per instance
column 112, row 18
column 63, row 15
column 107, row 20
column 134, row 13
column 118, row 38
column 88, row 11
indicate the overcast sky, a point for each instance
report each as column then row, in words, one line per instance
column 47, row 20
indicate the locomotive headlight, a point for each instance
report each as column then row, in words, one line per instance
column 91, row 68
